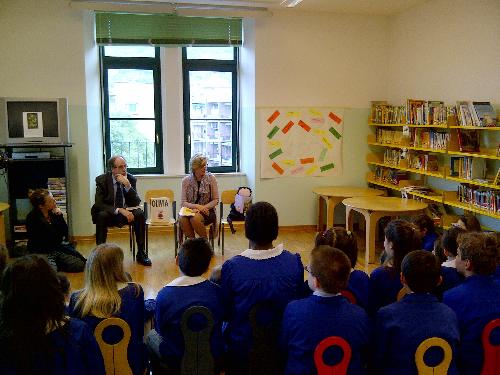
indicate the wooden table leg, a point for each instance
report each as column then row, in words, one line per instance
column 332, row 202
column 319, row 227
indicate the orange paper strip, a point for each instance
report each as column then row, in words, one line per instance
column 304, row 126
column 278, row 168
column 335, row 118
column 273, row 117
column 307, row 161
column 287, row 127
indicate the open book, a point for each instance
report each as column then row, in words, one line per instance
column 186, row 212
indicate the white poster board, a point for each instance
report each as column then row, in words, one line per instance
column 300, row 142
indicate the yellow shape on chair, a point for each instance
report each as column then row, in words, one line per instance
column 114, row 355
column 440, row 369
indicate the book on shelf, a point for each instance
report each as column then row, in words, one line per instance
column 376, row 107
column 436, row 114
column 486, row 113
column 468, row 140
column 20, row 228
column 415, row 111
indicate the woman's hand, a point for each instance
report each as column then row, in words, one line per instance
column 203, row 209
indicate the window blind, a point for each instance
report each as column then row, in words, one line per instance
column 166, row 29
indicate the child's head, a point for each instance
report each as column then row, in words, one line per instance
column 420, row 271
column 424, row 223
column 341, row 239
column 401, row 237
column 449, row 241
column 104, row 268
column 476, row 254
column 469, row 222
column 194, row 256
column 439, row 251
column 261, row 223
column 331, row 269
column 64, row 283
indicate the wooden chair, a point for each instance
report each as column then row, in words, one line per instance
column 159, row 193
column 197, row 358
column 340, row 368
column 114, row 355
column 491, row 363
column 210, row 228
column 441, row 368
column 226, row 198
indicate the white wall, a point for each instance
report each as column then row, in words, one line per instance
column 319, row 60
column 447, row 50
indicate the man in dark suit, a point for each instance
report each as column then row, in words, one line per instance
column 115, row 191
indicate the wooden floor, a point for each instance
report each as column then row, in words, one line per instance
column 161, row 252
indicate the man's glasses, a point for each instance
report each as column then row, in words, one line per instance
column 120, row 166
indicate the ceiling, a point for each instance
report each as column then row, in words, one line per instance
column 368, row 7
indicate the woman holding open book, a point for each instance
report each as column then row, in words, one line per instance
column 200, row 196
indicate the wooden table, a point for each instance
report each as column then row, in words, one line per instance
column 3, row 207
column 374, row 209
column 333, row 195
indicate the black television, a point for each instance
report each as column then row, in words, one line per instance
column 34, row 121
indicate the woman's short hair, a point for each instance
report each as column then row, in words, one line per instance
column 103, row 270
column 341, row 239
column 404, row 237
column 32, row 302
column 197, row 161
column 37, row 197
column 331, row 267
column 261, row 223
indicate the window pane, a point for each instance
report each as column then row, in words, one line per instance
column 207, row 53
column 135, row 140
column 131, row 93
column 129, row 51
column 213, row 139
column 210, row 94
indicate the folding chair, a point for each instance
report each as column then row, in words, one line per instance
column 491, row 363
column 160, row 193
column 226, row 198
column 340, row 368
column 115, row 355
column 210, row 228
column 439, row 369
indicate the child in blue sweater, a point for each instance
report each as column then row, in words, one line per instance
column 344, row 240
column 190, row 289
column 402, row 326
column 326, row 313
column 401, row 237
column 477, row 300
column 264, row 272
column 427, row 230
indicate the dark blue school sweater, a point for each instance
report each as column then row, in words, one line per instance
column 308, row 321
column 476, row 302
column 496, row 275
column 401, row 327
column 359, row 285
column 385, row 285
column 428, row 241
column 171, row 303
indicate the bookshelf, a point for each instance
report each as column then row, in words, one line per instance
column 479, row 195
column 31, row 167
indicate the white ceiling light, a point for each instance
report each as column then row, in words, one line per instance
column 290, row 3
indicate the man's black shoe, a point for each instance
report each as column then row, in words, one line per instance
column 143, row 259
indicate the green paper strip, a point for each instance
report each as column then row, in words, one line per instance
column 335, row 133
column 327, row 167
column 273, row 132
column 322, row 155
column 279, row 151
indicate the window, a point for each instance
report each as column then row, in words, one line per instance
column 132, row 106
column 210, row 106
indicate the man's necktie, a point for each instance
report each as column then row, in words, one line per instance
column 119, row 196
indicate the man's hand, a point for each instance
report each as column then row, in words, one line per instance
column 123, row 180
column 129, row 215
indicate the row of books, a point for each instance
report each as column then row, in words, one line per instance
column 57, row 187
column 390, row 176
column 433, row 112
column 468, row 168
column 411, row 159
column 479, row 197
column 429, row 139
column 393, row 137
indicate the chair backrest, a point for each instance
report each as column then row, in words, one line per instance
column 349, row 295
column 226, row 197
column 197, row 358
column 439, row 369
column 114, row 355
column 262, row 359
column 340, row 368
column 491, row 363
column 402, row 292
